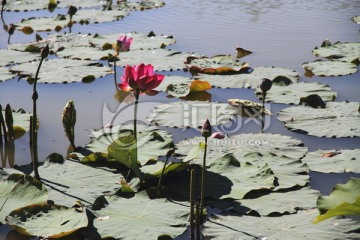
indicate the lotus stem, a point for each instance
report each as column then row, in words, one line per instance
column 115, row 81
column 2, row 125
column 192, row 217
column 202, row 195
column 137, row 93
column 197, row 220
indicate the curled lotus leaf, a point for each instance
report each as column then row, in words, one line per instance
column 294, row 226
column 9, row 57
column 62, row 70
column 333, row 161
column 250, row 80
column 5, row 74
column 329, row 68
column 176, row 114
column 341, row 51
column 338, row 119
column 140, row 41
column 291, row 94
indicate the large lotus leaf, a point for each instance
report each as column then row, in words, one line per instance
column 140, row 40
column 47, row 220
column 161, row 59
column 292, row 93
column 19, row 190
column 21, row 118
column 329, row 161
column 28, row 5
column 84, row 53
column 191, row 114
column 347, row 51
column 155, row 170
column 72, row 181
column 5, row 74
column 249, row 80
column 330, row 68
column 145, row 4
column 63, row 70
column 294, row 226
column 338, row 119
column 8, row 57
column 152, row 218
column 245, row 177
column 152, row 142
column 215, row 62
column 356, row 19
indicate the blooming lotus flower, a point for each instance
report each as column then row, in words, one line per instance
column 123, row 44
column 140, row 77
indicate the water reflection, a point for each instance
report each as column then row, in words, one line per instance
column 7, row 154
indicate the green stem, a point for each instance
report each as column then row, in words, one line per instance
column 192, row 217
column 203, row 180
column 116, row 86
column 137, row 93
column 263, row 112
column 161, row 176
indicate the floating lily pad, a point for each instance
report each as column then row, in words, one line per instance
column 248, row 108
column 249, row 80
column 214, row 62
column 330, row 68
column 140, row 41
column 341, row 51
column 145, row 4
column 28, row 5
column 153, row 218
column 5, row 74
column 292, row 93
column 294, row 226
column 84, row 53
column 19, row 190
column 338, row 119
column 356, row 19
column 55, row 220
column 62, row 70
column 333, row 161
column 191, row 114
column 9, row 57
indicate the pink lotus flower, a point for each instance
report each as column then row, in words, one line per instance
column 123, row 43
column 217, row 135
column 140, row 77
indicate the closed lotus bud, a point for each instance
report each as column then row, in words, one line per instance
column 206, row 130
column 3, row 2
column 9, row 122
column 265, row 85
column 45, row 52
column 69, row 120
column 11, row 29
column 35, row 95
column 72, row 10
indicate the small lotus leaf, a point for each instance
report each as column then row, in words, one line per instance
column 152, row 218
column 248, row 80
column 294, row 226
column 140, row 41
column 178, row 90
column 346, row 52
column 292, row 93
column 329, row 161
column 330, row 68
column 199, row 86
column 173, row 81
column 356, row 19
column 62, row 70
column 177, row 114
column 5, row 74
column 9, row 57
column 338, row 119
column 56, row 221
column 19, row 190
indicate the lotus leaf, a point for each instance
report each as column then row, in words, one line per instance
column 338, row 119
column 84, row 53
column 330, row 68
column 55, row 221
column 292, row 93
column 28, row 5
column 69, row 70
column 249, row 80
column 178, row 90
column 145, row 4
column 155, row 170
column 346, row 52
column 329, row 161
column 152, row 218
column 191, row 114
column 19, row 190
column 214, row 62
column 174, row 81
column 248, row 108
column 294, row 226
column 9, row 57
column 5, row 74
column 72, row 181
column 141, row 41
column 356, row 19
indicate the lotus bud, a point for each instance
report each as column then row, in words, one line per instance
column 69, row 120
column 72, row 10
column 218, row 135
column 11, row 29
column 206, row 130
column 9, row 122
column 45, row 52
column 35, row 95
column 265, row 85
column 52, row 5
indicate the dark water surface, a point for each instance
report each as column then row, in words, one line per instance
column 280, row 33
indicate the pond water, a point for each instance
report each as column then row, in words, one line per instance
column 279, row 33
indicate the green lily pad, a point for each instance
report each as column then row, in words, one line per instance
column 145, row 4
column 5, row 74
column 155, row 170
column 71, row 181
column 292, row 93
column 294, row 226
column 329, row 161
column 9, row 57
column 84, row 53
column 356, row 19
column 248, row 108
column 330, row 68
column 191, row 114
column 69, row 70
column 338, row 119
column 55, row 220
column 19, row 190
column 341, row 51
column 28, row 5
column 214, row 62
column 152, row 218
column 140, row 41
column 250, row 80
